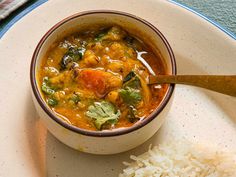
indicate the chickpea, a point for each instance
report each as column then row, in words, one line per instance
column 113, row 96
column 61, row 79
column 116, row 46
column 71, row 103
column 57, row 80
column 66, row 90
column 98, row 46
column 124, row 58
column 115, row 33
column 95, row 46
column 90, row 59
column 117, row 51
column 59, row 95
column 81, row 105
column 105, row 59
column 51, row 71
column 116, row 66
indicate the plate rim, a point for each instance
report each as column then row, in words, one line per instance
column 40, row 2
column 55, row 147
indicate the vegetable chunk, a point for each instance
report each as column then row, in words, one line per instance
column 99, row 81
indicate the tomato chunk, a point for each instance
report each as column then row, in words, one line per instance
column 94, row 80
column 100, row 82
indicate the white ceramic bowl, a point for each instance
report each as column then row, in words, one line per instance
column 103, row 142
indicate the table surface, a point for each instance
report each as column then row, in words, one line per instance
column 222, row 12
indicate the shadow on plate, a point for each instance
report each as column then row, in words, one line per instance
column 36, row 135
column 62, row 160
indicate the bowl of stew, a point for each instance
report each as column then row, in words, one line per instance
column 89, row 76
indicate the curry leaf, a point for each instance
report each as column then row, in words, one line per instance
column 129, row 76
column 103, row 112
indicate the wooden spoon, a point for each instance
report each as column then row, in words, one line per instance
column 218, row 83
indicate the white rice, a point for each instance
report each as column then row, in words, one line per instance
column 178, row 160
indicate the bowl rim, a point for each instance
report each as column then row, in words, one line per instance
column 107, row 133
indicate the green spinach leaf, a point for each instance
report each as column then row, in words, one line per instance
column 100, row 36
column 129, row 76
column 72, row 55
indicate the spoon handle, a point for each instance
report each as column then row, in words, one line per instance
column 219, row 83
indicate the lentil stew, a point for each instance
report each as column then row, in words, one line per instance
column 97, row 79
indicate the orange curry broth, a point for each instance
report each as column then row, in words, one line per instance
column 107, row 56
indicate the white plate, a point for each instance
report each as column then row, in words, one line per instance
column 28, row 149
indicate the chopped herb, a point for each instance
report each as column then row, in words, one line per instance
column 52, row 102
column 130, row 96
column 72, row 55
column 103, row 112
column 46, row 88
column 75, row 98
